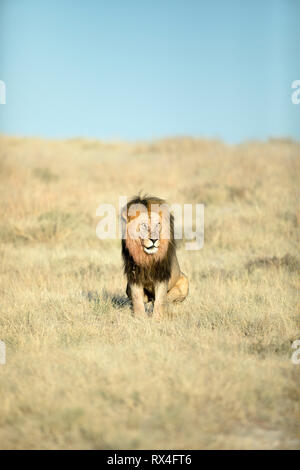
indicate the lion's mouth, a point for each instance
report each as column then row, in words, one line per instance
column 150, row 251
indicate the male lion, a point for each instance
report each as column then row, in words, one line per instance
column 149, row 255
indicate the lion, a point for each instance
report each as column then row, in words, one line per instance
column 149, row 255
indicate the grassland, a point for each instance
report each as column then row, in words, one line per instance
column 81, row 371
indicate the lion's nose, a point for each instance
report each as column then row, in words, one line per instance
column 153, row 240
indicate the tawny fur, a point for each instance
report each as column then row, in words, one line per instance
column 141, row 258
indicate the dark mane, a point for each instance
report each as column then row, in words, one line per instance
column 145, row 199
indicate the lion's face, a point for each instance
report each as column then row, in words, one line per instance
column 149, row 229
column 147, row 232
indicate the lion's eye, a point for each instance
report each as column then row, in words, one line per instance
column 144, row 227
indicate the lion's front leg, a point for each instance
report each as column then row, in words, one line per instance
column 136, row 293
column 160, row 289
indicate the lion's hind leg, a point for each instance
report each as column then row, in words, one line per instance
column 180, row 290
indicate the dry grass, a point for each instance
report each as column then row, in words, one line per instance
column 81, row 372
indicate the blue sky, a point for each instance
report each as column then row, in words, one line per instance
column 143, row 69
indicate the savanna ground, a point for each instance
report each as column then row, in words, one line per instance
column 81, row 371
